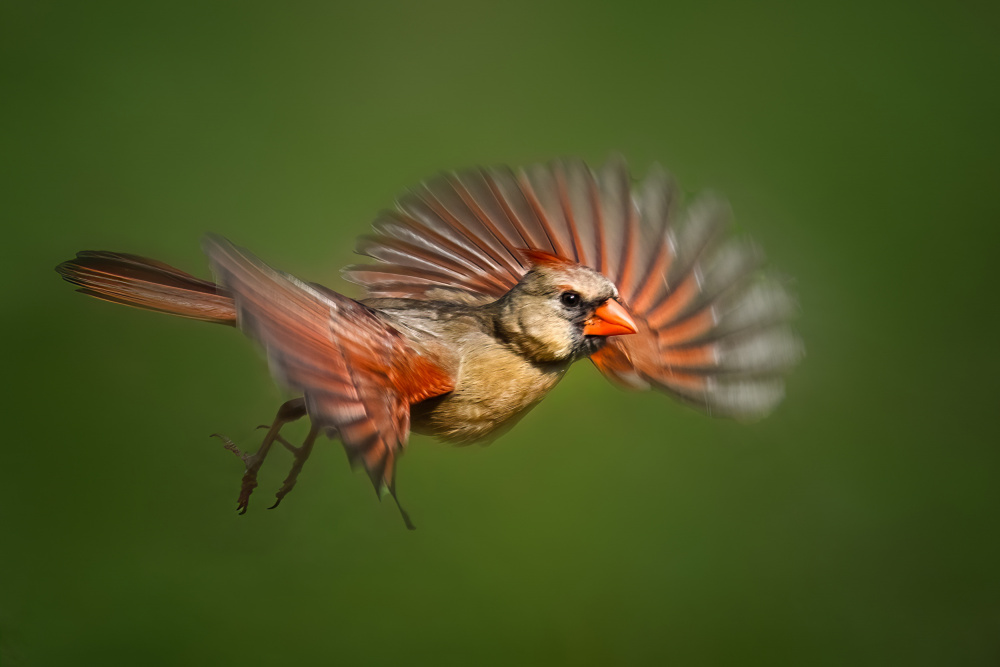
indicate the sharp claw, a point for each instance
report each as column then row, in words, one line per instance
column 289, row 411
column 276, row 503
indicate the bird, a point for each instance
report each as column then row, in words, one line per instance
column 482, row 286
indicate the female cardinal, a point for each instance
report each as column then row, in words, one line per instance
column 488, row 284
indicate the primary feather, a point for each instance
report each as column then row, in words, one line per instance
column 713, row 325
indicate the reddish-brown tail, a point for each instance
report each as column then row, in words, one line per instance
column 145, row 283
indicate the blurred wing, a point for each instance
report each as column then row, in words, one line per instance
column 358, row 374
column 713, row 327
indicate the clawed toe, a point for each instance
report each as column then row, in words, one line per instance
column 288, row 412
column 301, row 456
column 252, row 463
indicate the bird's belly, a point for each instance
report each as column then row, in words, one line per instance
column 484, row 406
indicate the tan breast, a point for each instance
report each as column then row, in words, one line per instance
column 494, row 384
column 495, row 387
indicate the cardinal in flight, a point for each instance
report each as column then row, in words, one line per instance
column 486, row 285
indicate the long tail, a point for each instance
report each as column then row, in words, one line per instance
column 145, row 283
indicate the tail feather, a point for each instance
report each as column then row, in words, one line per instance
column 148, row 284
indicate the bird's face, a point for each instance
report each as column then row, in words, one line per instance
column 560, row 311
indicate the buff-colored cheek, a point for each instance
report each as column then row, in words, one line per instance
column 549, row 338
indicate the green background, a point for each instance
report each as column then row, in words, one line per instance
column 856, row 141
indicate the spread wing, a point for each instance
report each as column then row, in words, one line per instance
column 713, row 325
column 358, row 374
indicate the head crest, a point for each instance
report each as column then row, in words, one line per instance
column 542, row 258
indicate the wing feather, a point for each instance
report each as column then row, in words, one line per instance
column 713, row 325
column 516, row 203
column 358, row 374
column 480, row 194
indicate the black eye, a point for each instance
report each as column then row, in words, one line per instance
column 571, row 299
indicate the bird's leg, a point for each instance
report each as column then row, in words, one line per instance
column 288, row 412
column 301, row 454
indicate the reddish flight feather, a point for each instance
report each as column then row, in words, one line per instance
column 713, row 326
column 358, row 374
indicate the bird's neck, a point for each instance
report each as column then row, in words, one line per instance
column 517, row 325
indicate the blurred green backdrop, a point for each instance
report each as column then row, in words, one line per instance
column 857, row 142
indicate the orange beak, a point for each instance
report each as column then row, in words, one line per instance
column 610, row 319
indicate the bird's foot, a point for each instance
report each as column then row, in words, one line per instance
column 301, row 454
column 252, row 462
column 288, row 412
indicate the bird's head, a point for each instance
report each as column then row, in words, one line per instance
column 561, row 311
